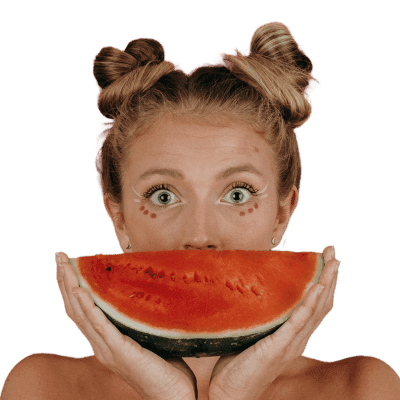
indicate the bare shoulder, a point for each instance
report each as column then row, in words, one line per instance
column 355, row 378
column 351, row 378
column 50, row 376
column 371, row 378
column 34, row 377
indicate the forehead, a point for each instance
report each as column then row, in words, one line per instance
column 204, row 145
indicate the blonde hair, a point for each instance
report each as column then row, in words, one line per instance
column 264, row 89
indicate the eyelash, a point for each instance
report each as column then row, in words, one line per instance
column 234, row 185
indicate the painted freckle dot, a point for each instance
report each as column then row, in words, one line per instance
column 141, row 208
column 146, row 212
column 153, row 215
column 242, row 213
column 255, row 205
column 250, row 210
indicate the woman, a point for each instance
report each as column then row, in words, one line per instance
column 208, row 162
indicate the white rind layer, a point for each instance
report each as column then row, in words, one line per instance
column 179, row 334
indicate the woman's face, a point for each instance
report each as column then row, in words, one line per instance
column 199, row 209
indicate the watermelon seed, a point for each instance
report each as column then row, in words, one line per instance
column 108, row 269
column 239, row 288
column 229, row 285
column 255, row 290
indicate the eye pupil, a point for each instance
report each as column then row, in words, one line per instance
column 240, row 196
column 164, row 199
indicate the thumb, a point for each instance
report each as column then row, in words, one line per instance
column 221, row 363
column 179, row 363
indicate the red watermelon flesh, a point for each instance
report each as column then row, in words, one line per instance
column 201, row 291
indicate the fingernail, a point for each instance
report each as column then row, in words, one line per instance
column 58, row 259
column 320, row 290
column 337, row 266
column 333, row 251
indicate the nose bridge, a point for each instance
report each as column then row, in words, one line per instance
column 201, row 218
column 201, row 211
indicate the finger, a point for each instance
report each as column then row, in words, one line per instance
column 90, row 326
column 329, row 282
column 328, row 274
column 293, row 336
column 100, row 331
column 180, row 364
column 61, row 285
column 322, row 307
column 288, row 332
column 68, row 283
column 71, row 285
column 328, row 299
column 325, row 304
column 126, row 358
column 328, row 254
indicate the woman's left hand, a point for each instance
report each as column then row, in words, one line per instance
column 247, row 375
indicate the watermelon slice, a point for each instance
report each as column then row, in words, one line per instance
column 198, row 303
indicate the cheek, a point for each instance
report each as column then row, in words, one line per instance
column 248, row 211
column 145, row 212
column 241, row 213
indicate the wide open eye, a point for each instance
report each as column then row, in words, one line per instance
column 238, row 196
column 162, row 196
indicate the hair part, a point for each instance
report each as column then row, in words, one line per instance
column 265, row 90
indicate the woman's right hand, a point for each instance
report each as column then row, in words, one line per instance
column 150, row 375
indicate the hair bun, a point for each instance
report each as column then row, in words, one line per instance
column 145, row 50
column 278, row 70
column 274, row 42
column 112, row 65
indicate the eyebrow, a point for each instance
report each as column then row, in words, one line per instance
column 222, row 175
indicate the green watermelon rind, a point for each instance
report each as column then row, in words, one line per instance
column 178, row 343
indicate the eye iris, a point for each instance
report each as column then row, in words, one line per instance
column 168, row 197
column 240, row 196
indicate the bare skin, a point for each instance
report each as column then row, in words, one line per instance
column 198, row 213
column 201, row 211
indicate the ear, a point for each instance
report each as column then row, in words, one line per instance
column 117, row 217
column 285, row 211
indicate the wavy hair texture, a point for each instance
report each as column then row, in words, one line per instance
column 265, row 89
